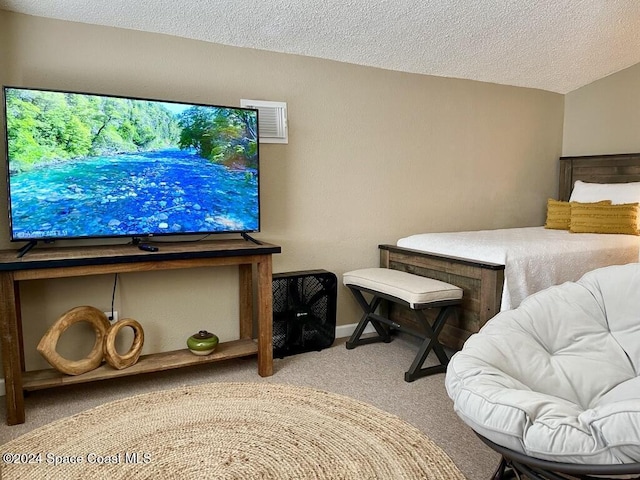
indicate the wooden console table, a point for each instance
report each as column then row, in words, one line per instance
column 49, row 263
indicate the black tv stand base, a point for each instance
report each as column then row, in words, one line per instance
column 249, row 238
column 22, row 252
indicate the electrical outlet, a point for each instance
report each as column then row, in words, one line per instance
column 111, row 318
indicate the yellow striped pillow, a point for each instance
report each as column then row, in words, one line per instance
column 559, row 213
column 590, row 218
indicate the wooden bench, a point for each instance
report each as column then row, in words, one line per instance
column 416, row 292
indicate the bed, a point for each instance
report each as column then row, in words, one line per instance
column 497, row 275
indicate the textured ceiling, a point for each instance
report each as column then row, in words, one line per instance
column 555, row 45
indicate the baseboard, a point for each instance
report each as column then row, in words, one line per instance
column 343, row 331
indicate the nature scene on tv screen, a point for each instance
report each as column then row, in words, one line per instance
column 87, row 165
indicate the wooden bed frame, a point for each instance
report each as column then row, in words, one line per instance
column 482, row 282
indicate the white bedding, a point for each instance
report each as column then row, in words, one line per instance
column 534, row 257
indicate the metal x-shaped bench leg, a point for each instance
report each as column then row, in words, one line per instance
column 369, row 309
column 429, row 343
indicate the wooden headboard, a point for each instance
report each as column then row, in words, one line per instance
column 619, row 168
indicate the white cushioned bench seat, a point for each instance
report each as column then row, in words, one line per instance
column 558, row 378
column 420, row 294
column 413, row 289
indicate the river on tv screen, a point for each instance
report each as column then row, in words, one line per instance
column 83, row 166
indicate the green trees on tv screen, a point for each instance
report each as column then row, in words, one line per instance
column 46, row 126
column 223, row 135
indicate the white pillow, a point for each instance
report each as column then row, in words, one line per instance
column 616, row 192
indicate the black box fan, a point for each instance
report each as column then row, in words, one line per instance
column 304, row 311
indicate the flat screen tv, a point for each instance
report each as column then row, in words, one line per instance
column 82, row 165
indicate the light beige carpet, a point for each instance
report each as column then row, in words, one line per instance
column 229, row 431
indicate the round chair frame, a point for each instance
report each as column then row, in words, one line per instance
column 520, row 466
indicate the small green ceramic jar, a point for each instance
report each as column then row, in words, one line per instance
column 202, row 343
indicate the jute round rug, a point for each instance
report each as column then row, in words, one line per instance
column 234, row 431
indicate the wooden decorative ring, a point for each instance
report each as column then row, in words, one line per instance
column 112, row 356
column 48, row 343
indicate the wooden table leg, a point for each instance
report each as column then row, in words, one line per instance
column 11, row 345
column 265, row 317
column 246, row 300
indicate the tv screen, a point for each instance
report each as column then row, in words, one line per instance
column 83, row 165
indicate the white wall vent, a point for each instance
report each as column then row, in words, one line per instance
column 272, row 120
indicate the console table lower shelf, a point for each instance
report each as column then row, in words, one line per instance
column 252, row 260
column 156, row 362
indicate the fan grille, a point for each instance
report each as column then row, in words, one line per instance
column 304, row 311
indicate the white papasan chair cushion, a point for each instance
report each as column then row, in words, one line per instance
column 557, row 378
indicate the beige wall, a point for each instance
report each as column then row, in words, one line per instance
column 604, row 116
column 4, row 46
column 373, row 155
